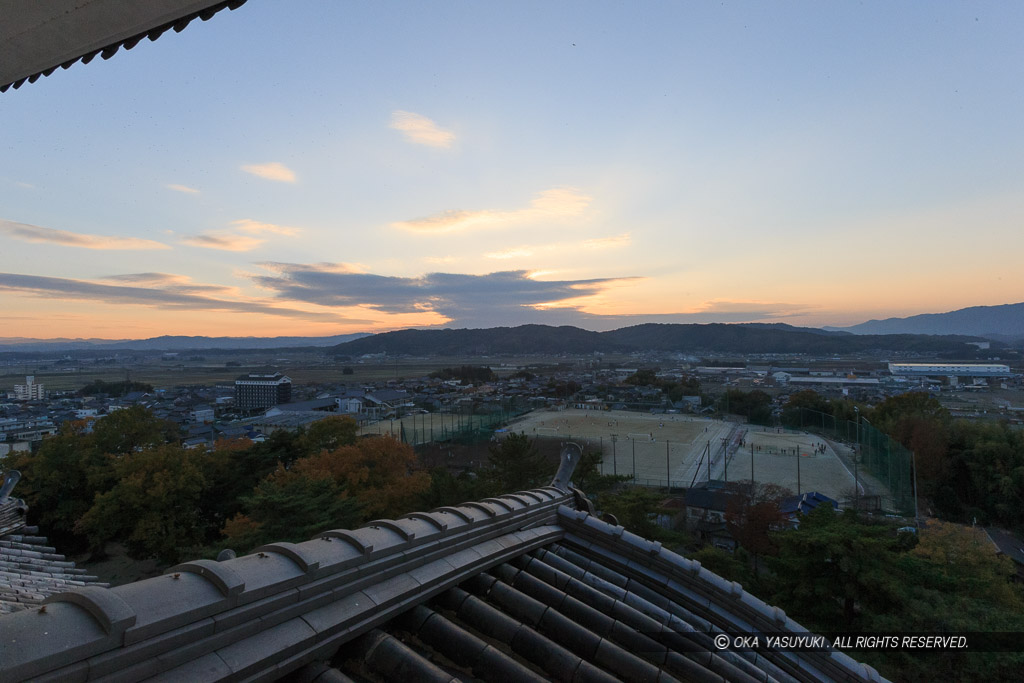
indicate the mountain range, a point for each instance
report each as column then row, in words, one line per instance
column 720, row 338
column 1001, row 323
column 172, row 343
column 927, row 333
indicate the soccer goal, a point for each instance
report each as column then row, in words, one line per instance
column 640, row 437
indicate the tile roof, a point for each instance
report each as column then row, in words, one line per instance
column 30, row 569
column 524, row 586
column 38, row 37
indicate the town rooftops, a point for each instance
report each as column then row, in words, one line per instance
column 525, row 586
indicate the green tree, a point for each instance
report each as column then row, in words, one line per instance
column 154, row 507
column 635, row 507
column 60, row 482
column 833, row 569
column 330, row 433
column 131, row 429
column 516, row 465
column 793, row 413
column 293, row 507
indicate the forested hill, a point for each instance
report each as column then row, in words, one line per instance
column 736, row 338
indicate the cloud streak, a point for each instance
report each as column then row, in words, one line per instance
column 420, row 130
column 224, row 242
column 554, row 204
column 273, row 170
column 165, row 292
column 182, row 188
column 65, row 238
column 233, row 241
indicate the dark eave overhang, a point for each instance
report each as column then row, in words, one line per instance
column 38, row 36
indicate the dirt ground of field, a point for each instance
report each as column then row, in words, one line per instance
column 659, row 448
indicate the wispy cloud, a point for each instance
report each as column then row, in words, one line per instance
column 170, row 283
column 420, row 130
column 243, row 238
column 613, row 242
column 224, row 242
column 27, row 186
column 524, row 251
column 182, row 188
column 65, row 238
column 248, row 225
column 162, row 291
column 272, row 170
column 553, row 204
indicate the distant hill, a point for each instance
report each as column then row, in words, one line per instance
column 1002, row 323
column 525, row 339
column 735, row 338
column 171, row 343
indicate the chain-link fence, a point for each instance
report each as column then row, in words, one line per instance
column 656, row 463
column 886, row 459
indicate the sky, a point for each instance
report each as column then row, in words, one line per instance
column 312, row 168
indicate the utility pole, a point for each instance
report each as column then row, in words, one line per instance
column 709, row 461
column 634, row 461
column 725, row 458
column 668, row 470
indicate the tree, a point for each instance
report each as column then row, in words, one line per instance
column 61, row 480
column 834, row 569
column 516, row 465
column 756, row 405
column 291, row 506
column 636, row 508
column 806, row 400
column 379, row 472
column 154, row 507
column 752, row 513
column 131, row 429
column 644, row 377
column 330, row 433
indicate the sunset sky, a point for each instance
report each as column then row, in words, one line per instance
column 317, row 168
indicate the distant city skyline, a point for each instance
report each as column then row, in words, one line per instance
column 311, row 169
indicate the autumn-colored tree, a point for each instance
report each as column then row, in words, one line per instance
column 154, row 506
column 751, row 513
column 380, row 472
column 969, row 561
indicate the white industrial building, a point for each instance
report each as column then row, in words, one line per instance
column 950, row 370
column 953, row 371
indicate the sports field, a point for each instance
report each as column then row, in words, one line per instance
column 659, row 448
